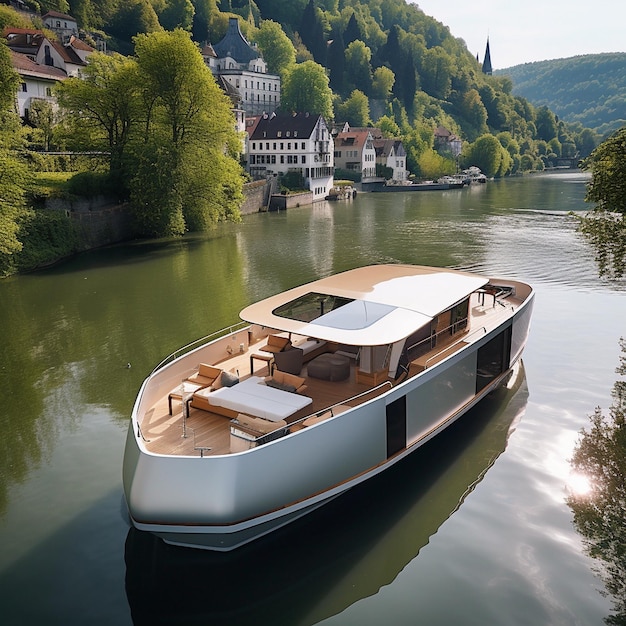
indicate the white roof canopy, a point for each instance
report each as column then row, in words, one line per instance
column 383, row 303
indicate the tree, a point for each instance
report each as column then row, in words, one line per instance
column 546, row 124
column 176, row 14
column 382, row 83
column 355, row 110
column 488, row 154
column 352, row 31
column 600, row 457
column 41, row 115
column 203, row 11
column 358, row 68
column 306, row 88
column 605, row 227
column 11, row 17
column 187, row 176
column 337, row 63
column 132, row 17
column 14, row 175
column 276, row 47
column 102, row 107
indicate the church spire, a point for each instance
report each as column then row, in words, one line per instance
column 487, row 62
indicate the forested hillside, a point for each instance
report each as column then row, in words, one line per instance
column 589, row 89
column 387, row 63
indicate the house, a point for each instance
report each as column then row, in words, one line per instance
column 70, row 57
column 300, row 143
column 355, row 152
column 37, row 82
column 446, row 141
column 65, row 26
column 390, row 153
column 241, row 64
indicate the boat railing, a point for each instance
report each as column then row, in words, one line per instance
column 450, row 347
column 199, row 342
column 434, row 338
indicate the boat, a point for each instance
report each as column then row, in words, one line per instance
column 441, row 184
column 316, row 390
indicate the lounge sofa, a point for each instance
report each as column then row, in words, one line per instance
column 276, row 343
column 247, row 432
column 207, row 375
column 286, row 382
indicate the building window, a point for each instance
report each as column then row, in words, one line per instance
column 24, row 87
column 303, row 158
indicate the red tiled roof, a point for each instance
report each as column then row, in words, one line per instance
column 56, row 14
column 27, row 67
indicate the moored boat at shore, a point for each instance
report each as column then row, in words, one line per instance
column 359, row 370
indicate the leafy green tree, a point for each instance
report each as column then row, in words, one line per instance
column 358, row 66
column 436, row 73
column 54, row 5
column 388, row 126
column 14, row 175
column 102, row 107
column 187, row 175
column 42, row 117
column 355, row 110
column 473, row 111
column 176, row 14
column 546, row 124
column 488, row 154
column 433, row 165
column 203, row 11
column 276, row 47
column 306, row 88
column 10, row 17
column 382, row 83
column 132, row 17
column 605, row 227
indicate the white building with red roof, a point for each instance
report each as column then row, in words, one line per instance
column 37, row 82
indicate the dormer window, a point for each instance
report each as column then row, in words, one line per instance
column 279, row 133
column 288, row 133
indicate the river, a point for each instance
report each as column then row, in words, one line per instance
column 473, row 530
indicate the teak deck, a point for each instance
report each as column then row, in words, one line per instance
column 208, row 433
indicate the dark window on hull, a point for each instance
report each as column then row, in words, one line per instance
column 396, row 426
column 493, row 359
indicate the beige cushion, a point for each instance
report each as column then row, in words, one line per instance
column 259, row 424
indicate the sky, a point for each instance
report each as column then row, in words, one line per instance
column 523, row 31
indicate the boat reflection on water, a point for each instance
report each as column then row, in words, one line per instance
column 318, row 566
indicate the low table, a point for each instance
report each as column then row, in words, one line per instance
column 268, row 358
column 184, row 389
